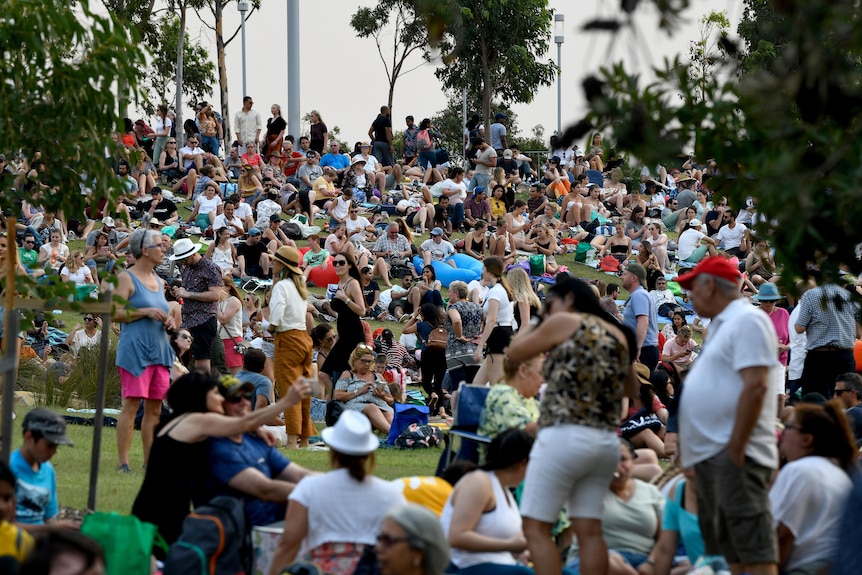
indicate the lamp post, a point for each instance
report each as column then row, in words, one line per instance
column 559, row 38
column 242, row 6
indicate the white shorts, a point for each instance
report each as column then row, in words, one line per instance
column 571, row 466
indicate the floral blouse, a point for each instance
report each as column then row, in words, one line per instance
column 586, row 377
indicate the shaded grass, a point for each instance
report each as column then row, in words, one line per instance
column 117, row 491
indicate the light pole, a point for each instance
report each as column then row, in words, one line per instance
column 242, row 6
column 559, row 38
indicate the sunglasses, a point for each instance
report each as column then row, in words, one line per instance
column 339, row 262
column 240, row 397
column 89, row 319
column 29, row 242
column 186, row 336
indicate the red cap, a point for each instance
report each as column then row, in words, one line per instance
column 713, row 265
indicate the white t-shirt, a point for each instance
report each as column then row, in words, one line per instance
column 808, row 497
column 221, row 221
column 481, row 290
column 439, row 252
column 798, row 342
column 455, row 198
column 351, row 512
column 163, row 123
column 243, row 211
column 687, row 243
column 506, row 309
column 741, row 336
column 79, row 277
column 340, row 207
column 206, row 205
column 370, row 163
column 356, row 228
column 731, row 237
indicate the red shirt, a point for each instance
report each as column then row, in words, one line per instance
column 253, row 160
column 290, row 169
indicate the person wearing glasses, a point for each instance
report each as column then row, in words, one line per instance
column 191, row 160
column 28, row 256
column 393, row 248
column 336, row 160
column 87, row 336
column 144, row 354
column 411, row 542
column 361, row 389
column 245, row 464
column 349, row 303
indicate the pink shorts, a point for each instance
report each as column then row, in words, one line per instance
column 153, row 383
column 231, row 357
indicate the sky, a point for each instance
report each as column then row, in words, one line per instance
column 343, row 77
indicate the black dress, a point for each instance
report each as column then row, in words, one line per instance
column 166, row 494
column 350, row 334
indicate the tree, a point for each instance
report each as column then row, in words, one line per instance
column 217, row 7
column 58, row 96
column 497, row 56
column 198, row 70
column 785, row 134
column 707, row 51
column 59, row 105
column 182, row 6
column 398, row 19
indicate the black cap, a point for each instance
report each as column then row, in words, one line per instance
column 51, row 425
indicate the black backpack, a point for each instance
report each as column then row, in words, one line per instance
column 214, row 541
column 292, row 230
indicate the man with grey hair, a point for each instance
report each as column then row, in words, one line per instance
column 727, row 420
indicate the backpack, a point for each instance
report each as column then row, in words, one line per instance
column 438, row 338
column 423, row 140
column 419, row 437
column 610, row 264
column 214, row 541
column 292, row 230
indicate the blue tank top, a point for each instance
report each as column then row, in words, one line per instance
column 144, row 342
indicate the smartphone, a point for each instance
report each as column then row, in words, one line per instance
column 381, row 385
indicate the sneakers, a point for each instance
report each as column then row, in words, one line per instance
column 326, row 317
column 124, row 468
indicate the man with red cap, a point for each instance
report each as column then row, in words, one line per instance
column 727, row 420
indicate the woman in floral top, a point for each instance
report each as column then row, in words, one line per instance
column 512, row 402
column 464, row 324
column 588, row 369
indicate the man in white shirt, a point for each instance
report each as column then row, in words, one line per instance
column 733, row 236
column 798, row 344
column 486, row 161
column 247, row 123
column 436, row 248
column 358, row 227
column 191, row 155
column 665, row 301
column 229, row 219
column 242, row 210
column 687, row 244
column 727, row 419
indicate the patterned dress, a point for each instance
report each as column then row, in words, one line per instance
column 586, row 376
column 358, row 403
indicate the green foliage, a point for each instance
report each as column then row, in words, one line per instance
column 57, row 97
column 707, row 51
column 497, row 55
column 394, row 25
column 786, row 134
column 198, row 69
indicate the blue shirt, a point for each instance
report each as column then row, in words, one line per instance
column 640, row 303
column 262, row 384
column 228, row 459
column 144, row 342
column 35, row 491
column 336, row 161
column 686, row 523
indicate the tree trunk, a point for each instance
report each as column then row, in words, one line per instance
column 222, row 72
column 181, row 134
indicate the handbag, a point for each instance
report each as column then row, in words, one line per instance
column 438, row 338
column 537, row 264
column 126, row 541
column 334, row 409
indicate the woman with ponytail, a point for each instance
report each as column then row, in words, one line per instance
column 293, row 345
column 810, row 491
column 588, row 369
column 499, row 312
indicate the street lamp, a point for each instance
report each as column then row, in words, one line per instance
column 242, row 6
column 559, row 38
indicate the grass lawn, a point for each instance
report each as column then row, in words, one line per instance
column 117, row 491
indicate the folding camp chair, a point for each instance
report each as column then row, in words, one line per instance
column 465, row 425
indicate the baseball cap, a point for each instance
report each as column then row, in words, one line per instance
column 254, row 232
column 695, row 223
column 51, row 425
column 638, row 270
column 108, row 221
column 499, row 115
column 437, row 232
column 713, row 265
column 234, row 387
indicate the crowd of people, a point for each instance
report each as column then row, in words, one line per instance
column 636, row 436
